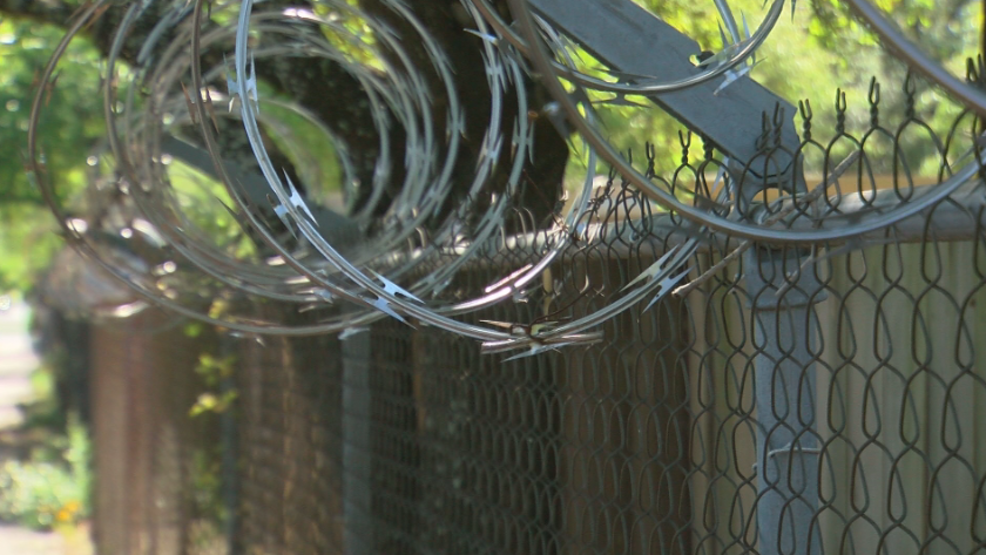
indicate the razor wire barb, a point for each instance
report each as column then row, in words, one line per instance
column 352, row 270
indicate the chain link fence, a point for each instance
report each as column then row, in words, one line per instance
column 453, row 366
column 410, row 441
column 793, row 400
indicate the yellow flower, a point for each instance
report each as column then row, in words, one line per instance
column 67, row 512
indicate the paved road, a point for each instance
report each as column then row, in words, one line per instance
column 20, row 541
column 17, row 361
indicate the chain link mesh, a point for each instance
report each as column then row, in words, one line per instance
column 789, row 399
column 645, row 443
column 794, row 400
column 648, row 441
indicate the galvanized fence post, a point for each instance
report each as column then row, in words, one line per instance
column 356, row 457
column 785, row 331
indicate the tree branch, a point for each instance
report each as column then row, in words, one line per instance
column 335, row 97
column 52, row 12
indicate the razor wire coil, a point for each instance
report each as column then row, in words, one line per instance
column 353, row 283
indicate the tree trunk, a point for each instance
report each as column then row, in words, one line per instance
column 327, row 90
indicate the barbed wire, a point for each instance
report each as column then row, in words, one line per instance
column 354, row 269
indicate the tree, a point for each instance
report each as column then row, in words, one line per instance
column 337, row 99
column 27, row 232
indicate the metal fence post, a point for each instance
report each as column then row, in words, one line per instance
column 785, row 331
column 356, row 502
column 229, row 447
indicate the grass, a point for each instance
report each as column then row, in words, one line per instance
column 48, row 492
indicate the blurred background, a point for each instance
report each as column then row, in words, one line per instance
column 61, row 316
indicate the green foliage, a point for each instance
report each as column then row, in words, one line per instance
column 206, row 478
column 49, row 491
column 199, row 197
column 311, row 150
column 71, row 122
column 808, row 56
column 213, row 372
column 944, row 28
column 209, row 510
